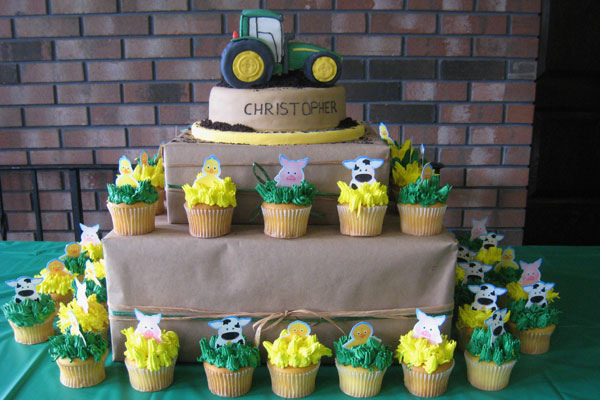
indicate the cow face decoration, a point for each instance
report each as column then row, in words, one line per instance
column 464, row 254
column 229, row 330
column 537, row 294
column 363, row 170
column 490, row 240
column 473, row 270
column 25, row 288
column 486, row 296
column 495, row 324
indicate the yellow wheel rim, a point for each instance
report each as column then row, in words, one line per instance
column 324, row 69
column 248, row 66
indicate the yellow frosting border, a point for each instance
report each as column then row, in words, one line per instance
column 421, row 353
column 472, row 318
column 148, row 353
column 367, row 195
column 95, row 320
column 295, row 351
column 55, row 283
column 278, row 138
column 221, row 193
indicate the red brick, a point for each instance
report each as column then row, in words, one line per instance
column 111, row 156
column 471, row 113
column 178, row 24
column 525, row 25
column 157, row 47
column 338, row 22
column 116, row 25
column 88, row 200
column 453, row 176
column 88, row 49
column 506, row 47
column 443, row 5
column 26, row 94
column 520, row 113
column 55, row 221
column 497, row 176
column 55, row 201
column 123, row 115
column 47, row 26
column 233, row 22
column 370, row 5
column 299, row 4
column 20, row 236
column 370, row 45
column 356, row 111
column 438, row 46
column 452, row 218
column 61, row 157
column 525, row 6
column 155, row 5
column 25, row 50
column 5, row 28
column 96, row 179
column 438, row 91
column 16, row 201
column 511, row 237
column 435, row 135
column 10, row 116
column 22, row 7
column 209, row 46
column 52, row 236
column 513, row 198
column 182, row 115
column 501, row 135
column 56, row 116
column 518, row 91
column 152, row 135
column 52, row 72
column 516, row 155
column 13, row 157
column 50, row 180
column 157, row 92
column 465, row 197
column 94, row 137
column 119, row 70
column 497, row 217
column 102, row 199
column 83, row 6
column 99, row 217
column 88, row 93
column 15, row 180
column 321, row 41
column 188, row 69
column 474, row 24
column 470, row 156
column 403, row 23
column 225, row 4
column 202, row 91
column 21, row 221
column 29, row 138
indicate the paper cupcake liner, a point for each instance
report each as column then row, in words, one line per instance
column 533, row 341
column 464, row 336
column 422, row 384
column 488, row 375
column 132, row 220
column 293, row 383
column 368, row 223
column 144, row 380
column 286, row 223
column 38, row 333
column 225, row 383
column 62, row 298
column 209, row 223
column 359, row 382
column 80, row 374
column 421, row 221
column 160, row 206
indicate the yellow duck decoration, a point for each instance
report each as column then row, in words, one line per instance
column 507, row 260
column 56, row 267
column 360, row 334
column 299, row 328
column 72, row 250
column 211, row 171
column 126, row 171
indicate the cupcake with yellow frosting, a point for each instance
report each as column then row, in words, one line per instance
column 152, row 169
column 361, row 210
column 56, row 282
column 294, row 360
column 468, row 320
column 151, row 354
column 94, row 319
column 94, row 251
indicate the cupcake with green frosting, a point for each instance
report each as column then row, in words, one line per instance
column 361, row 367
column 132, row 207
column 489, row 367
column 533, row 326
column 32, row 321
column 151, row 169
column 228, row 368
column 422, row 205
column 362, row 210
column 80, row 360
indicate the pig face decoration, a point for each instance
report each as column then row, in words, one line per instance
column 428, row 327
column 291, row 173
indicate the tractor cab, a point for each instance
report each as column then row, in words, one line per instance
column 267, row 26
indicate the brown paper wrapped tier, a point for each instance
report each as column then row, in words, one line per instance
column 225, row 383
column 206, row 221
column 422, row 384
column 291, row 382
column 132, row 219
column 79, row 373
column 533, row 341
column 162, row 197
column 285, row 221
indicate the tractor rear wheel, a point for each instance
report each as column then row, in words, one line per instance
column 246, row 62
column 322, row 67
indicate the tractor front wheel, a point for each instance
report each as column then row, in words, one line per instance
column 245, row 63
column 322, row 68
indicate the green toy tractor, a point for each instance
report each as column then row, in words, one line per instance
column 261, row 50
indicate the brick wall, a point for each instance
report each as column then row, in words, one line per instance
column 86, row 81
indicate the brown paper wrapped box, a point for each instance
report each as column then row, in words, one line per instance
column 184, row 157
column 192, row 281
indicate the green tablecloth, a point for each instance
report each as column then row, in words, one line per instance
column 569, row 370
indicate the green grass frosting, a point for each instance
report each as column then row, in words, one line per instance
column 91, row 288
column 76, row 264
column 29, row 312
column 233, row 357
column 506, row 347
column 369, row 355
column 72, row 346
column 424, row 192
column 300, row 195
column 533, row 317
column 503, row 277
column 127, row 194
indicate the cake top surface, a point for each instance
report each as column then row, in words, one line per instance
column 234, row 356
column 147, row 352
column 73, row 346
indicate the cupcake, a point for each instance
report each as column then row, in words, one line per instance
column 90, row 242
column 362, row 210
column 422, row 206
column 56, row 282
column 287, row 200
column 468, row 320
column 361, row 361
column 229, row 367
column 75, row 259
column 426, row 357
column 95, row 319
column 31, row 315
column 294, row 360
column 152, row 169
column 151, row 354
column 209, row 202
column 80, row 359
